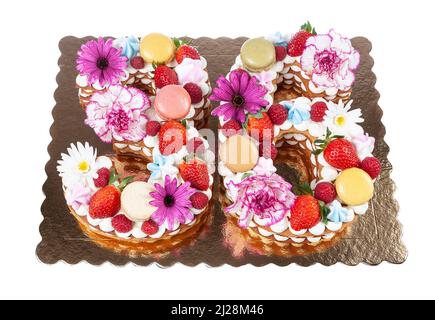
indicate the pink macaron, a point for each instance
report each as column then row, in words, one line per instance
column 172, row 102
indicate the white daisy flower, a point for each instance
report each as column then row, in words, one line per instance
column 79, row 166
column 343, row 121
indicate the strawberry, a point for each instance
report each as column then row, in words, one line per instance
column 103, row 178
column 172, row 137
column 337, row 151
column 152, row 128
column 280, row 53
column 194, row 92
column 305, row 213
column 231, row 128
column 199, row 200
column 296, row 46
column 105, row 203
column 195, row 171
column 278, row 114
column 325, row 192
column 163, row 76
column 186, row 51
column 372, row 166
column 318, row 111
column 149, row 227
column 260, row 126
column 122, row 224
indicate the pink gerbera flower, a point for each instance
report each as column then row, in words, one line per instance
column 172, row 202
column 241, row 94
column 100, row 61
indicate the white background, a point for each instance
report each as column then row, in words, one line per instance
column 404, row 53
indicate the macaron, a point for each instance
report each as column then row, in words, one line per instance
column 157, row 48
column 258, row 54
column 172, row 102
column 239, row 153
column 135, row 201
column 354, row 187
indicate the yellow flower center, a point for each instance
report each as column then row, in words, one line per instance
column 340, row 120
column 83, row 166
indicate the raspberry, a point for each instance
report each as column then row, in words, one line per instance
column 318, row 111
column 325, row 192
column 268, row 151
column 152, row 128
column 231, row 128
column 199, row 200
column 150, row 227
column 137, row 62
column 103, row 178
column 194, row 92
column 280, row 53
column 196, row 145
column 372, row 166
column 278, row 114
column 122, row 224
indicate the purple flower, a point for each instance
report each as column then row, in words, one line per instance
column 330, row 59
column 268, row 197
column 118, row 112
column 100, row 61
column 172, row 202
column 240, row 95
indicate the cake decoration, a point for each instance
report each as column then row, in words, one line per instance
column 301, row 116
column 155, row 191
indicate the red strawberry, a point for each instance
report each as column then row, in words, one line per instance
column 231, row 128
column 268, row 150
column 149, row 227
column 341, row 154
column 194, row 92
column 105, row 203
column 305, row 213
column 152, row 128
column 372, row 166
column 196, row 172
column 137, row 62
column 325, row 192
column 163, row 76
column 296, row 46
column 172, row 137
column 280, row 53
column 260, row 127
column 278, row 114
column 186, row 51
column 122, row 224
column 103, row 178
column 199, row 200
column 318, row 111
column 195, row 145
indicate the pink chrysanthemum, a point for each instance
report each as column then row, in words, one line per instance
column 269, row 197
column 331, row 60
column 100, row 61
column 172, row 202
column 240, row 94
column 118, row 112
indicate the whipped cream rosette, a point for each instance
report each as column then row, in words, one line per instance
column 264, row 123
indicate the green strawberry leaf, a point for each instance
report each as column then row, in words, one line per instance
column 246, row 175
column 125, row 182
column 324, row 211
column 303, row 189
column 113, row 177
